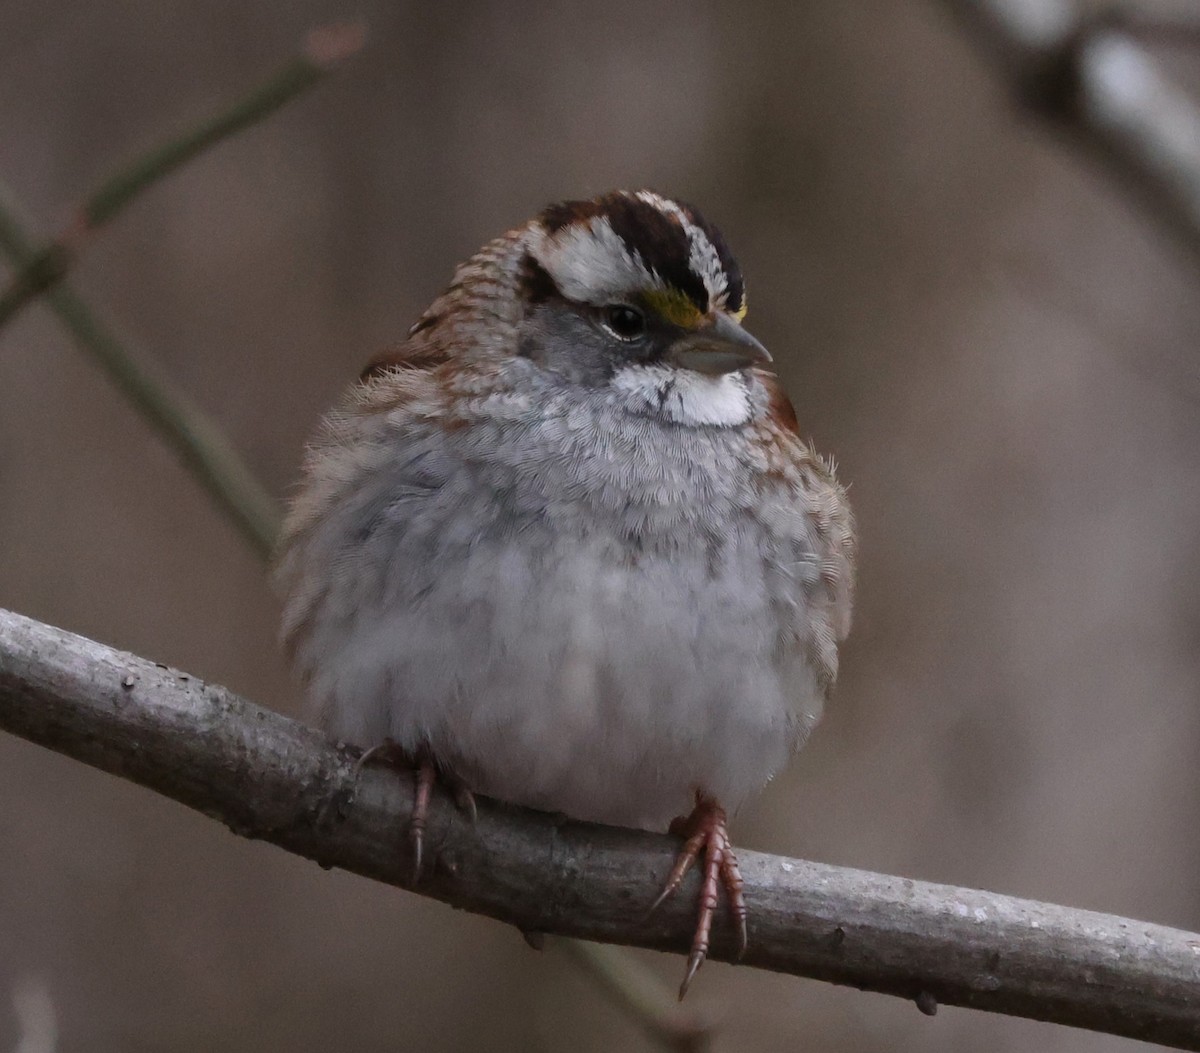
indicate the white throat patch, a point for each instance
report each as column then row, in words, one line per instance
column 686, row 397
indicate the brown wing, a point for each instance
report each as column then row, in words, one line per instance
column 829, row 511
column 419, row 351
column 781, row 410
column 479, row 298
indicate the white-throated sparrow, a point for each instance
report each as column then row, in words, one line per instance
column 565, row 543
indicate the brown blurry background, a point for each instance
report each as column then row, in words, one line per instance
column 999, row 348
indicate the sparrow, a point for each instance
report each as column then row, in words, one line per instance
column 564, row 545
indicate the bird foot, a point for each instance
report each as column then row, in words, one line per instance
column 706, row 830
column 426, row 771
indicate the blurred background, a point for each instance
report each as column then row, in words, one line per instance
column 997, row 345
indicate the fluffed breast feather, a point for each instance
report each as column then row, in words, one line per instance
column 794, row 463
column 417, row 385
column 797, row 462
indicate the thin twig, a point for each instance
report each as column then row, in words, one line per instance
column 198, row 440
column 43, row 268
column 195, row 437
column 267, row 777
column 641, row 994
column 1094, row 81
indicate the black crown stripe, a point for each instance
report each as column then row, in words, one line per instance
column 536, row 284
column 655, row 237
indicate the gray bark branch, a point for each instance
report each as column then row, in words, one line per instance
column 1087, row 74
column 268, row 777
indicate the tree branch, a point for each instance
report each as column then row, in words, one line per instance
column 1093, row 80
column 267, row 777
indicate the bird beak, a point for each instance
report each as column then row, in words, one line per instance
column 721, row 346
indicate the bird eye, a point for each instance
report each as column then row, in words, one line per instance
column 624, row 322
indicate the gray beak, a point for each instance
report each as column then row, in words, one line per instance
column 720, row 347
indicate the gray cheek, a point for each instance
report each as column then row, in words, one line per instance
column 567, row 345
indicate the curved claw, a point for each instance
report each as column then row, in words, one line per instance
column 464, row 799
column 426, row 772
column 387, row 751
column 426, row 775
column 695, row 960
column 735, row 887
column 706, row 831
column 683, row 863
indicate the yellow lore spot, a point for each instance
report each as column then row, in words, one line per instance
column 678, row 309
column 674, row 306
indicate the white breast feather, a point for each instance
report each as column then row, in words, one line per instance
column 687, row 397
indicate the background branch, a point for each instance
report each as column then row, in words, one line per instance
column 41, row 269
column 640, row 993
column 267, row 777
column 1089, row 78
column 193, row 434
column 196, row 437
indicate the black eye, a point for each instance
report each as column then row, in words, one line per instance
column 625, row 322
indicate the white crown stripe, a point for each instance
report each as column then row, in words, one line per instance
column 704, row 260
column 590, row 263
